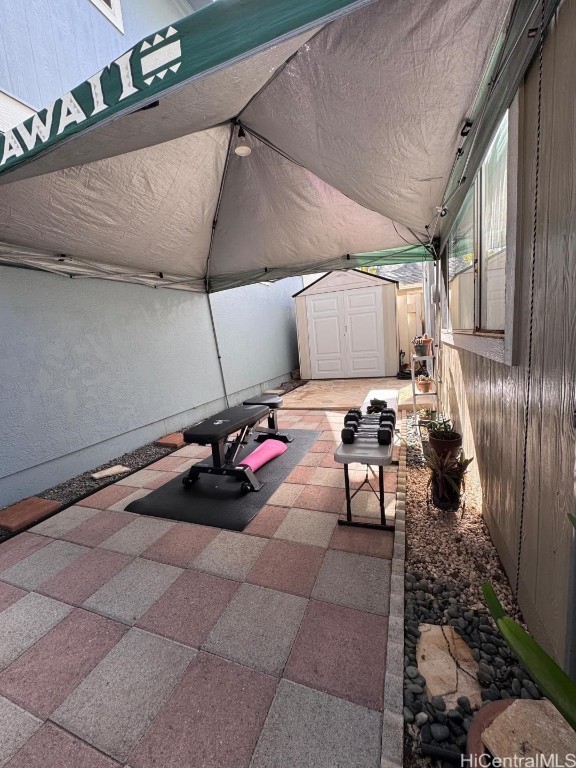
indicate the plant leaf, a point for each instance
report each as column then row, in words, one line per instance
column 572, row 519
column 494, row 605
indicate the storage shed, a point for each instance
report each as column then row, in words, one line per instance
column 347, row 326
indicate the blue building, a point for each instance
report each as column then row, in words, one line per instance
column 90, row 369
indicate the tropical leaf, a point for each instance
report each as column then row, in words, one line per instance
column 494, row 605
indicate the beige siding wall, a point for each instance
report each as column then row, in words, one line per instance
column 389, row 292
column 303, row 343
column 410, row 313
column 488, row 399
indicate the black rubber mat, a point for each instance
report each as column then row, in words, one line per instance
column 218, row 500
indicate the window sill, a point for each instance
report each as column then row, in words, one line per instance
column 487, row 345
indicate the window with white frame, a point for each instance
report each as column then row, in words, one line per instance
column 476, row 252
column 112, row 10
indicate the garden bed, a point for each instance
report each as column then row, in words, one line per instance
column 448, row 557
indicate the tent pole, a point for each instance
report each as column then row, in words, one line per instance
column 207, row 268
column 218, row 351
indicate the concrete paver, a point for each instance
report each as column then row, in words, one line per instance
column 307, row 526
column 183, row 733
column 299, row 661
column 310, row 729
column 51, row 747
column 44, row 675
column 287, row 567
column 129, row 594
column 17, row 727
column 64, row 521
column 138, row 535
column 25, row 622
column 40, row 566
column 258, row 628
column 113, row 706
column 230, row 555
column 341, row 651
column 355, row 581
column 189, row 609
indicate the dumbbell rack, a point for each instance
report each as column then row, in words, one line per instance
column 430, row 362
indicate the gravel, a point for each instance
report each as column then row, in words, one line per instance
column 448, row 557
column 83, row 485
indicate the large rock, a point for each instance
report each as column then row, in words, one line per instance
column 530, row 728
column 446, row 661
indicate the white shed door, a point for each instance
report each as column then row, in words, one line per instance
column 345, row 329
column 325, row 331
column 364, row 332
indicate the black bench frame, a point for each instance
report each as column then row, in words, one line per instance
column 271, row 431
column 225, row 451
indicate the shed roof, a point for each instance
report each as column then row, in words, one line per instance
column 370, row 278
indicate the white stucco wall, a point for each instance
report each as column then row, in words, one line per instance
column 256, row 330
column 90, row 369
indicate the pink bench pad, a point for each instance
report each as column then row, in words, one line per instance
column 263, row 454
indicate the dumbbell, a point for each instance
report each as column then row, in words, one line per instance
column 388, row 413
column 355, row 416
column 388, row 417
column 352, row 432
column 366, row 426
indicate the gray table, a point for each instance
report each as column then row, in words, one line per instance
column 367, row 452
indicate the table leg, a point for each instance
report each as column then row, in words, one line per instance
column 381, row 484
column 348, row 500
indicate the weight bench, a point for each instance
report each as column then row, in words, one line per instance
column 273, row 402
column 215, row 432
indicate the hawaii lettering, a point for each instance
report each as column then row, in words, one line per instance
column 103, row 91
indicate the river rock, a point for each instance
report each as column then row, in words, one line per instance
column 439, row 732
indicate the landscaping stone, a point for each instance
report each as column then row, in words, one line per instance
column 530, row 729
column 439, row 732
column 22, row 514
column 447, row 664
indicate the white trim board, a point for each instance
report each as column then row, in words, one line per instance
column 13, row 111
column 487, row 346
column 113, row 14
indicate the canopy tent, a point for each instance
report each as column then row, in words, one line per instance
column 352, row 110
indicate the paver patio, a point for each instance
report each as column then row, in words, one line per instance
column 133, row 641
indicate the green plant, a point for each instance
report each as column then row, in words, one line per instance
column 553, row 681
column 442, row 429
column 447, row 473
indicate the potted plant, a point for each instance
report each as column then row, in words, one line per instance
column 446, row 481
column 443, row 438
column 427, row 341
column 424, row 383
column 420, row 346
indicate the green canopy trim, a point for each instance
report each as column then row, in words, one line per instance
column 410, row 254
